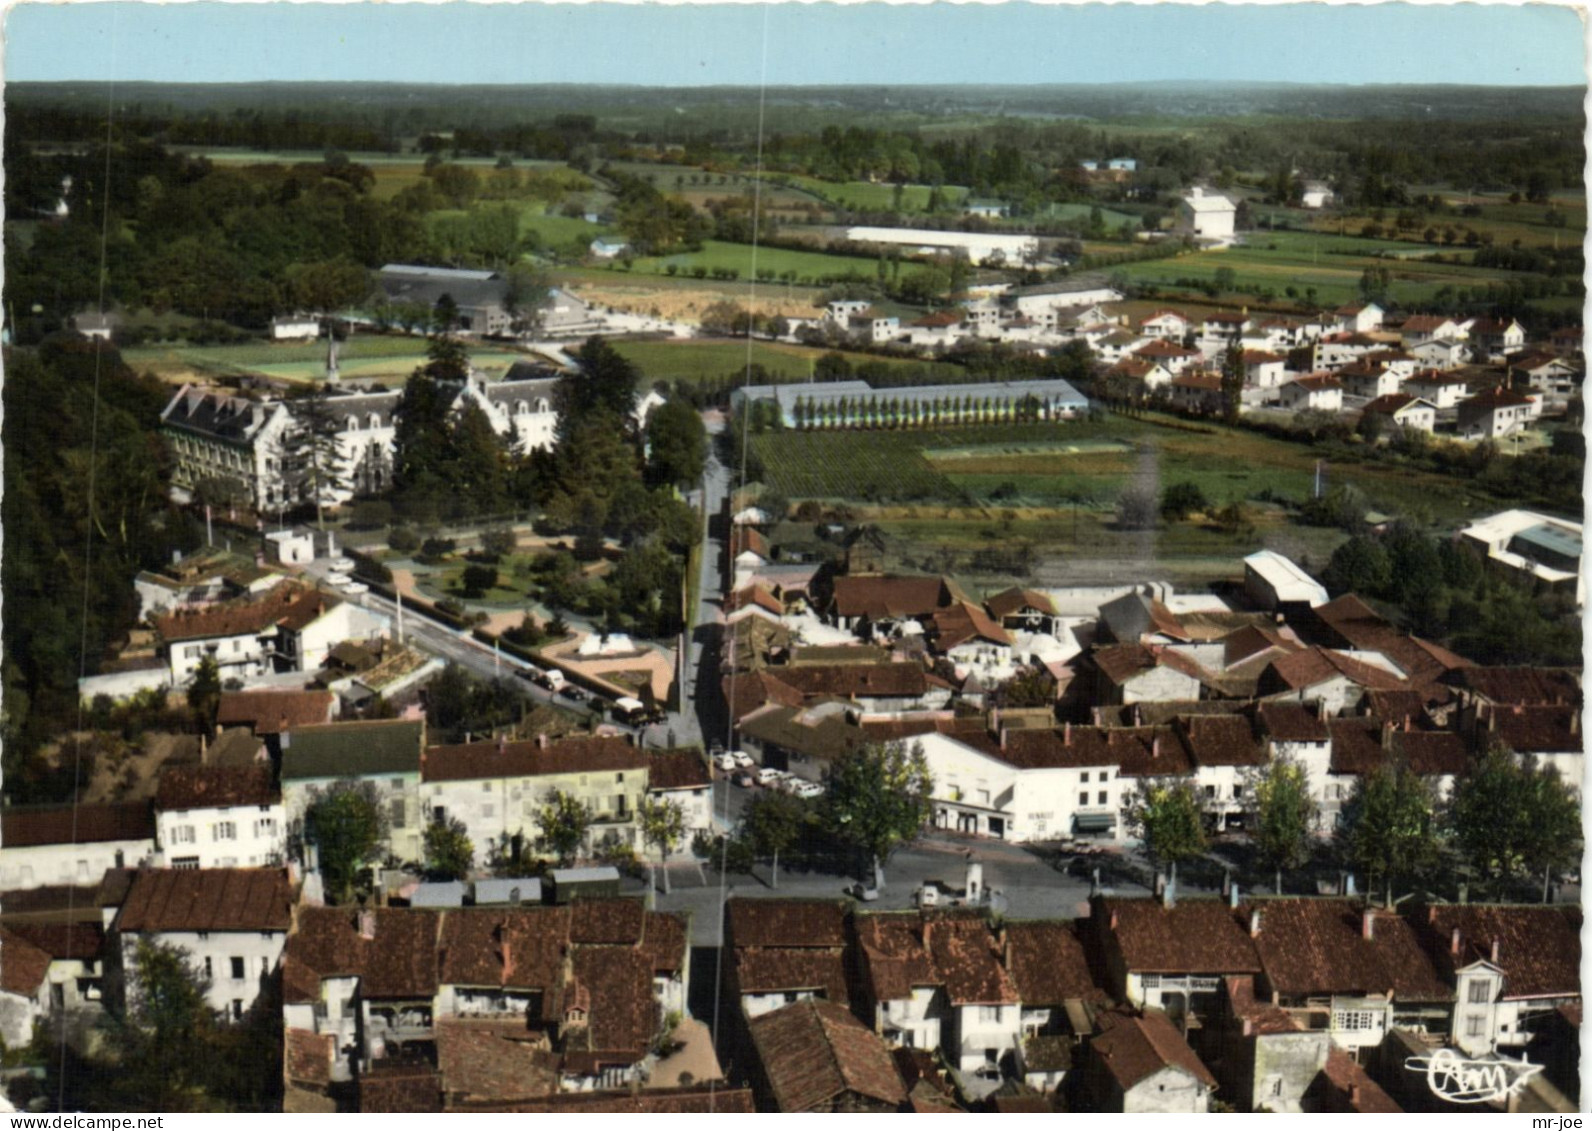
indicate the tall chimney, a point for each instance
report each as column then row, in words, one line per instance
column 367, row 924
column 1387, row 734
column 1232, row 897
column 1254, row 923
column 1066, row 734
column 1495, row 952
column 1155, row 747
column 1367, row 923
column 503, row 743
column 1003, row 738
column 1453, row 942
column 541, row 741
column 1114, row 920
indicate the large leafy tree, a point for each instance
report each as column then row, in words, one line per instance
column 606, row 385
column 85, row 507
column 449, row 853
column 564, row 821
column 662, row 826
column 1232, row 381
column 312, row 452
column 773, row 823
column 1165, row 814
column 1389, row 827
column 879, row 798
column 677, row 444
column 1511, row 818
column 162, row 1042
column 346, row 823
column 1282, row 816
column 204, row 694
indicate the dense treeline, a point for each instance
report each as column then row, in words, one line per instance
column 68, row 565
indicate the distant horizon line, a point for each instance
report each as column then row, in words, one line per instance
column 1232, row 83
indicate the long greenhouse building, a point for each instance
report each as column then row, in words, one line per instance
column 856, row 404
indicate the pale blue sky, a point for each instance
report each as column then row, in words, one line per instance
column 696, row 45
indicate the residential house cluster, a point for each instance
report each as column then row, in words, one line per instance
column 1474, row 376
column 1208, row 692
column 1143, row 1005
column 481, row 1008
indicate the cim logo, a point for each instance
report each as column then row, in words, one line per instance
column 1460, row 1081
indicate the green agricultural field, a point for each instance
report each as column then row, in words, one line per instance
column 1087, row 463
column 863, row 196
column 808, row 265
column 1079, row 214
column 1527, row 223
column 696, row 359
column 1330, row 264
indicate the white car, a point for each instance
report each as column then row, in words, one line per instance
column 768, row 775
column 741, row 757
column 724, row 762
column 809, row 790
column 341, row 565
column 355, row 588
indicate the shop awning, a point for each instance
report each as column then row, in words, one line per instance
column 1094, row 822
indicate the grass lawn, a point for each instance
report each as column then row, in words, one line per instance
column 1079, row 213
column 365, row 357
column 513, row 590
column 808, row 266
column 1031, row 464
column 695, row 359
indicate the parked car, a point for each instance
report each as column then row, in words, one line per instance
column 724, row 762
column 742, row 758
column 572, row 693
column 531, row 675
column 863, row 891
column 744, row 779
column 355, row 588
column 768, row 775
column 341, row 565
column 809, row 790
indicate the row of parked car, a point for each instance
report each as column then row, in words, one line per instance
column 632, row 712
column 746, row 773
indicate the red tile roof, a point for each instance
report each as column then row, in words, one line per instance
column 23, row 966
column 678, row 769
column 399, row 960
column 1048, row 963
column 879, row 598
column 479, row 761
column 624, row 1016
column 1537, row 729
column 613, row 922
column 1010, row 602
column 814, row 1053
column 1134, row 1048
column 308, row 1056
column 1197, row 936
column 492, row 1062
column 1494, row 397
column 786, row 922
column 963, row 622
column 289, row 605
column 704, row 1099
column 1355, row 1089
column 211, row 899
column 1356, row 746
column 521, row 947
column 1518, row 685
column 762, row 970
column 1292, row 722
column 400, row 1088
column 1539, row 947
column 852, row 681
column 64, row 941
column 1391, row 404
column 271, row 712
column 1316, row 948
column 1220, row 740
column 215, row 787
column 91, row 824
